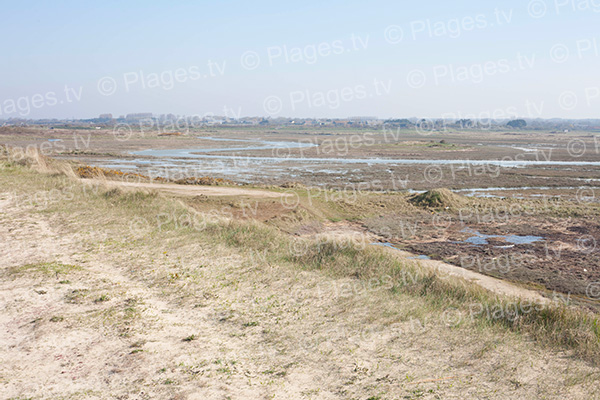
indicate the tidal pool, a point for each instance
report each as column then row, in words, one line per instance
column 480, row 238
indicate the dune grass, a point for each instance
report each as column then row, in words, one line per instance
column 162, row 218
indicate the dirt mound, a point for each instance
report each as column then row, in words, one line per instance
column 205, row 181
column 170, row 134
column 438, row 198
column 292, row 185
column 34, row 159
column 89, row 172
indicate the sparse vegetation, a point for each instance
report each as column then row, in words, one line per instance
column 247, row 249
column 438, row 198
column 45, row 268
column 102, row 298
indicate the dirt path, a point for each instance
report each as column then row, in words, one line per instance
column 198, row 190
column 492, row 284
column 487, row 282
column 342, row 229
column 358, row 233
column 142, row 319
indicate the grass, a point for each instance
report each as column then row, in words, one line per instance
column 438, row 198
column 102, row 298
column 552, row 325
column 76, row 296
column 189, row 338
column 557, row 326
column 45, row 268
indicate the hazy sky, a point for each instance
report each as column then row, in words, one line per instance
column 537, row 58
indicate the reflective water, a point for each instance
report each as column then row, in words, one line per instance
column 202, row 161
column 192, row 153
column 420, row 257
column 286, row 145
column 480, row 238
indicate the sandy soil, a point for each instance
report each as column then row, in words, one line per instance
column 345, row 230
column 116, row 327
column 196, row 190
column 492, row 284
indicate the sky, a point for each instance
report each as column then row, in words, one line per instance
column 389, row 59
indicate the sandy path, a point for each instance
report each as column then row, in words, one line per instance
column 262, row 331
column 492, row 284
column 342, row 229
column 198, row 190
column 358, row 233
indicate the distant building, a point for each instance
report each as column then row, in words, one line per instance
column 342, row 122
column 107, row 117
column 138, row 116
column 362, row 119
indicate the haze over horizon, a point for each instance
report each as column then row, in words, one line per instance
column 535, row 59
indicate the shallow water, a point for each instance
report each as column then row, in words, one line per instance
column 420, row 257
column 385, row 244
column 480, row 238
column 484, row 192
column 200, row 161
column 191, row 153
column 281, row 145
column 260, row 145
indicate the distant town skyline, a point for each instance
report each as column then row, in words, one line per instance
column 172, row 122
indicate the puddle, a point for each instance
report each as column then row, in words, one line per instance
column 224, row 139
column 528, row 148
column 259, row 145
column 420, row 257
column 527, row 239
column 484, row 192
column 391, row 246
column 480, row 238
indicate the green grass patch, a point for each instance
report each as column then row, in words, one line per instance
column 46, row 268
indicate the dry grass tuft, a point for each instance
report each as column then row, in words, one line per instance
column 438, row 198
column 32, row 158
